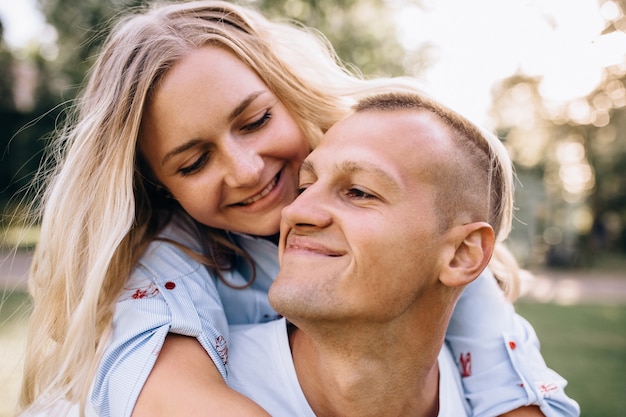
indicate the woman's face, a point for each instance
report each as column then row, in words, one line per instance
column 222, row 143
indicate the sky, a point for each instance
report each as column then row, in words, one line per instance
column 481, row 42
column 21, row 20
column 477, row 44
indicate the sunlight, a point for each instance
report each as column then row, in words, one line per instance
column 558, row 40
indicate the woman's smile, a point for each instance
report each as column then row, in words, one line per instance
column 249, row 145
column 262, row 194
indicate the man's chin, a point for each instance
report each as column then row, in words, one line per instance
column 286, row 295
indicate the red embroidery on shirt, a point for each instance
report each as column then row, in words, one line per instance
column 466, row 364
column 546, row 389
column 139, row 294
column 222, row 348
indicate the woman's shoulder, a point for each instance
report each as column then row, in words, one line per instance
column 167, row 259
column 184, row 231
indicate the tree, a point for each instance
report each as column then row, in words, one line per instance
column 362, row 32
column 573, row 158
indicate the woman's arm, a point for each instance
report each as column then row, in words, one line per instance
column 530, row 411
column 185, row 382
column 498, row 354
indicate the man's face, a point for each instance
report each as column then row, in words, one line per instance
column 362, row 240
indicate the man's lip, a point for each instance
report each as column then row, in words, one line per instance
column 264, row 192
column 306, row 244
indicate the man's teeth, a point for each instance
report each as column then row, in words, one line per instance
column 262, row 194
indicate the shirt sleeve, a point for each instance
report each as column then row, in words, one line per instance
column 167, row 292
column 497, row 353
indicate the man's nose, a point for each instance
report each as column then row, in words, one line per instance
column 310, row 208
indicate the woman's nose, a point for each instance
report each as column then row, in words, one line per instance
column 244, row 165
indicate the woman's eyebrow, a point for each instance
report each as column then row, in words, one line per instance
column 244, row 105
column 179, row 149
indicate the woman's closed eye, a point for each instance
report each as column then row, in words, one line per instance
column 196, row 165
column 258, row 123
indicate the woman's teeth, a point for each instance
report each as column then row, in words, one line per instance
column 262, row 194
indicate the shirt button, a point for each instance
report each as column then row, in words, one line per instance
column 512, row 345
column 170, row 285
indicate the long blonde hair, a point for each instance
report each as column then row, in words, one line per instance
column 100, row 210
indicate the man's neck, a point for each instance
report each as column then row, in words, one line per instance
column 368, row 371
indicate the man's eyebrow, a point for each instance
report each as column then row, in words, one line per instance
column 353, row 167
column 307, row 166
column 245, row 103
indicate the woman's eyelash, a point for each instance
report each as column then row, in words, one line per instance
column 195, row 166
column 202, row 159
column 259, row 122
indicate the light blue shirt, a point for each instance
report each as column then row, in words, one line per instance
column 496, row 351
column 167, row 292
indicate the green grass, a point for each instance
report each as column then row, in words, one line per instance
column 587, row 346
column 14, row 310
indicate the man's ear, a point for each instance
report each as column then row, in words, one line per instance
column 470, row 249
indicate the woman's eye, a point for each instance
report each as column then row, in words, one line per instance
column 261, row 121
column 195, row 166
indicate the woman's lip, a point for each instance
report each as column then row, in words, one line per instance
column 268, row 188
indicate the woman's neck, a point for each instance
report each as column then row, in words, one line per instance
column 272, row 238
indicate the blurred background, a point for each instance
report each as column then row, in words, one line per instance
column 549, row 76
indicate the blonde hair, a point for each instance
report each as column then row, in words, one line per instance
column 99, row 210
column 486, row 156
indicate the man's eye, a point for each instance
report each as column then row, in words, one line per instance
column 358, row 193
column 195, row 166
column 258, row 123
column 302, row 189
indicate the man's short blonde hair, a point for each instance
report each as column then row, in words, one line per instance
column 479, row 180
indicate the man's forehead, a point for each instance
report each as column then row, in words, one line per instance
column 400, row 143
column 410, row 131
